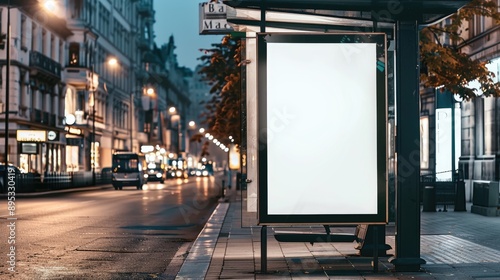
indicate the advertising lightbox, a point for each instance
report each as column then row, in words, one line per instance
column 322, row 127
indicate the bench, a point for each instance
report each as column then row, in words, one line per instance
column 312, row 238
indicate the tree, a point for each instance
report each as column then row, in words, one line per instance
column 445, row 65
column 221, row 70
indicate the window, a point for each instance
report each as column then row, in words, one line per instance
column 61, row 51
column 74, row 54
column 23, row 35
column 53, row 48
column 80, row 101
column 488, row 125
column 44, row 42
column 34, row 37
column 77, row 9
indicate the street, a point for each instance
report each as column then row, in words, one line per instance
column 106, row 233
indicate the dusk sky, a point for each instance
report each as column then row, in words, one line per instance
column 181, row 19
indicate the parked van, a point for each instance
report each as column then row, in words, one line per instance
column 127, row 170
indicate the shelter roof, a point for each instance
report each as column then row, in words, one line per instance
column 426, row 11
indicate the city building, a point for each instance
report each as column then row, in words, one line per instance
column 103, row 56
column 480, row 133
column 87, row 80
column 35, row 87
column 462, row 135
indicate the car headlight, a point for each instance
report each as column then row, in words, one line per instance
column 198, row 173
column 178, row 173
column 146, row 176
column 158, row 175
column 205, row 173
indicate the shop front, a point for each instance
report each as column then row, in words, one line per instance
column 41, row 151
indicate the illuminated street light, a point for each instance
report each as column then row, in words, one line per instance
column 113, row 62
column 50, row 5
column 173, row 112
column 150, row 92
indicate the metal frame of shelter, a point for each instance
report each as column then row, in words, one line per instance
column 402, row 19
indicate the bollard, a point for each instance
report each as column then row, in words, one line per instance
column 223, row 191
column 429, row 198
column 460, row 197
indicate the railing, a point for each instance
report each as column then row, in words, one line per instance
column 31, row 182
column 42, row 62
column 443, row 193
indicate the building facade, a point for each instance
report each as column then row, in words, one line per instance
column 36, row 89
column 463, row 135
column 480, row 133
column 86, row 80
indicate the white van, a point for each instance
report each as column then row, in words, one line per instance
column 127, row 170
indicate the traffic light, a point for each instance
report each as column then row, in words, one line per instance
column 3, row 38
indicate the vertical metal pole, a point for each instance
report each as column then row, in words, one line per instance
column 131, row 108
column 151, row 118
column 407, row 257
column 376, row 245
column 263, row 233
column 7, row 93
column 223, row 191
column 179, row 136
column 453, row 167
column 92, row 90
column 92, row 144
column 263, row 249
column 131, row 120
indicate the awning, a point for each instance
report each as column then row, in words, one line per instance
column 426, row 11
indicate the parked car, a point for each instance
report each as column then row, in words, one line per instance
column 11, row 170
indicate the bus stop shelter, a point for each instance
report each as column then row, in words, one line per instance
column 402, row 18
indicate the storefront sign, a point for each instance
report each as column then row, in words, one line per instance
column 70, row 119
column 29, row 148
column 31, row 136
column 74, row 131
column 147, row 149
column 213, row 19
column 52, row 135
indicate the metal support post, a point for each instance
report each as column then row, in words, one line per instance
column 92, row 145
column 263, row 249
column 7, row 93
column 407, row 257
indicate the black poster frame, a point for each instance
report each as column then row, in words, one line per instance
column 380, row 62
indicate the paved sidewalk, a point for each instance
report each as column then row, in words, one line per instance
column 455, row 245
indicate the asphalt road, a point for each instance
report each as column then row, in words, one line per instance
column 106, row 233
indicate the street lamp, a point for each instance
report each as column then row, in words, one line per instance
column 7, row 87
column 150, row 92
column 92, row 144
column 173, row 112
